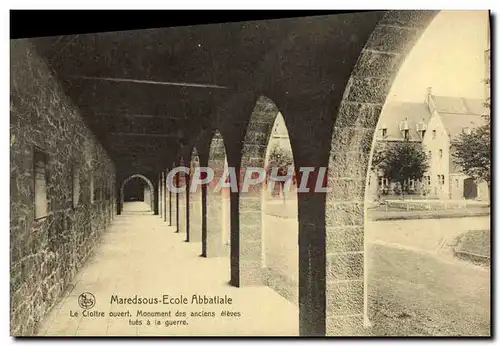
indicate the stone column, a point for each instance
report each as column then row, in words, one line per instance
column 160, row 200
column 214, row 228
column 181, row 198
column 195, row 214
column 186, row 197
column 156, row 192
column 166, row 192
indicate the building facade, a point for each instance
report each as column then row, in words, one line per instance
column 435, row 123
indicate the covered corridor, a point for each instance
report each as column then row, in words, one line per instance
column 91, row 112
column 141, row 255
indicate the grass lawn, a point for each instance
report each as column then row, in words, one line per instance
column 416, row 294
column 390, row 213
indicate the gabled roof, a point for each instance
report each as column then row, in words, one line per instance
column 459, row 105
column 395, row 112
column 456, row 123
column 458, row 113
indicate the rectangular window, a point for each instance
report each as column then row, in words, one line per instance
column 41, row 179
column 383, row 182
column 384, row 133
column 76, row 186
column 440, row 153
column 433, row 134
column 440, row 179
column 411, row 184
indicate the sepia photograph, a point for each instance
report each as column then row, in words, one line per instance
column 320, row 174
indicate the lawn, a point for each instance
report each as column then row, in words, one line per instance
column 416, row 294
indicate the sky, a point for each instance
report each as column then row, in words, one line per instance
column 449, row 57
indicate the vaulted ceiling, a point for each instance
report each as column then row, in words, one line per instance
column 145, row 92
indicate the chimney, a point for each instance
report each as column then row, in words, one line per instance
column 429, row 102
column 428, row 95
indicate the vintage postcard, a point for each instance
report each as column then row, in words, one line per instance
column 320, row 175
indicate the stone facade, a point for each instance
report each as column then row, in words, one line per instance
column 46, row 253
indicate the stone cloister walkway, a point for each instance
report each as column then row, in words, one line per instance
column 141, row 255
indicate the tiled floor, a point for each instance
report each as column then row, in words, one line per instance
column 140, row 255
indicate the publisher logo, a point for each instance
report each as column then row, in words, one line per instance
column 86, row 300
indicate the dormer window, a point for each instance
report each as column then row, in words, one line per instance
column 421, row 128
column 404, row 128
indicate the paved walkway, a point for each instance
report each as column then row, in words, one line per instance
column 140, row 255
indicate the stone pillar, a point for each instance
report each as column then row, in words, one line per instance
column 147, row 195
column 166, row 192
column 175, row 205
column 159, row 194
column 160, row 199
column 214, row 225
column 345, row 235
column 156, row 192
column 311, row 244
column 181, row 198
column 204, row 220
column 250, row 238
column 260, row 126
column 195, row 214
column 118, row 200
column 186, row 196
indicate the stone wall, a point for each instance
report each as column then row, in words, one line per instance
column 46, row 253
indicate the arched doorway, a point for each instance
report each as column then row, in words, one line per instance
column 470, row 188
column 280, row 228
column 142, row 190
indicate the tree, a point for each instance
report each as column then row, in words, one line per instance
column 472, row 151
column 283, row 160
column 402, row 161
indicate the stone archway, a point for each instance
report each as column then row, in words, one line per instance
column 254, row 150
column 349, row 164
column 148, row 182
column 212, row 238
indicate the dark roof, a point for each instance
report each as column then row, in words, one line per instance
column 459, row 113
column 395, row 112
column 459, row 105
column 456, row 123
